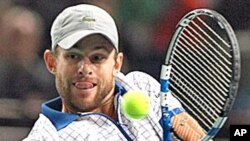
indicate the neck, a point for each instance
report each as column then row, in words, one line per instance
column 108, row 106
column 109, row 109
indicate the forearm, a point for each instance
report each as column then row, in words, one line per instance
column 187, row 128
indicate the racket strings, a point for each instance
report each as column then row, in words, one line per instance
column 208, row 69
column 202, row 70
column 193, row 69
column 204, row 107
column 177, row 78
column 209, row 36
column 217, row 35
column 207, row 55
column 215, row 57
column 202, row 103
column 197, row 80
column 199, row 85
column 213, row 46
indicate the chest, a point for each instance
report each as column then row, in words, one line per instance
column 97, row 127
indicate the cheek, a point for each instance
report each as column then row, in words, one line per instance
column 107, row 75
column 63, row 80
column 114, row 69
column 108, row 71
column 107, row 82
column 66, row 70
column 61, row 86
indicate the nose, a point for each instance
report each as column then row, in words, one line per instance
column 84, row 69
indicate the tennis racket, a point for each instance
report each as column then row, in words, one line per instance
column 202, row 70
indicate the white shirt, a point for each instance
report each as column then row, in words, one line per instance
column 54, row 125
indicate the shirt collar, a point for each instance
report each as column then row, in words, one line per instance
column 52, row 110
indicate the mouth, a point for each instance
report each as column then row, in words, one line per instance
column 83, row 85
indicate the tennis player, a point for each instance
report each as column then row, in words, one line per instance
column 86, row 62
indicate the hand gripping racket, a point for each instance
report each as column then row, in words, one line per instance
column 202, row 70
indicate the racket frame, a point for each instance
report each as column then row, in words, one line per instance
column 223, row 23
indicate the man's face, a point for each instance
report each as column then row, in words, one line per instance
column 85, row 74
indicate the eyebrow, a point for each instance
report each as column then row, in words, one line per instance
column 106, row 47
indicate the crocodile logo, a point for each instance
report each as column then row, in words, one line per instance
column 88, row 19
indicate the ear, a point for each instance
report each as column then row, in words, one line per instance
column 50, row 61
column 118, row 63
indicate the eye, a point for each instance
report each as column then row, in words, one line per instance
column 73, row 56
column 97, row 58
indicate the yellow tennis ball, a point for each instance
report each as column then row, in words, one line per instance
column 135, row 104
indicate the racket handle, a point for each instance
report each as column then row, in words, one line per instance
column 167, row 125
column 165, row 93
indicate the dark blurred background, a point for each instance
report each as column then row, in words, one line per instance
column 145, row 28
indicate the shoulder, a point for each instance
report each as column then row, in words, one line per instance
column 43, row 129
column 138, row 75
column 141, row 81
column 138, row 80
